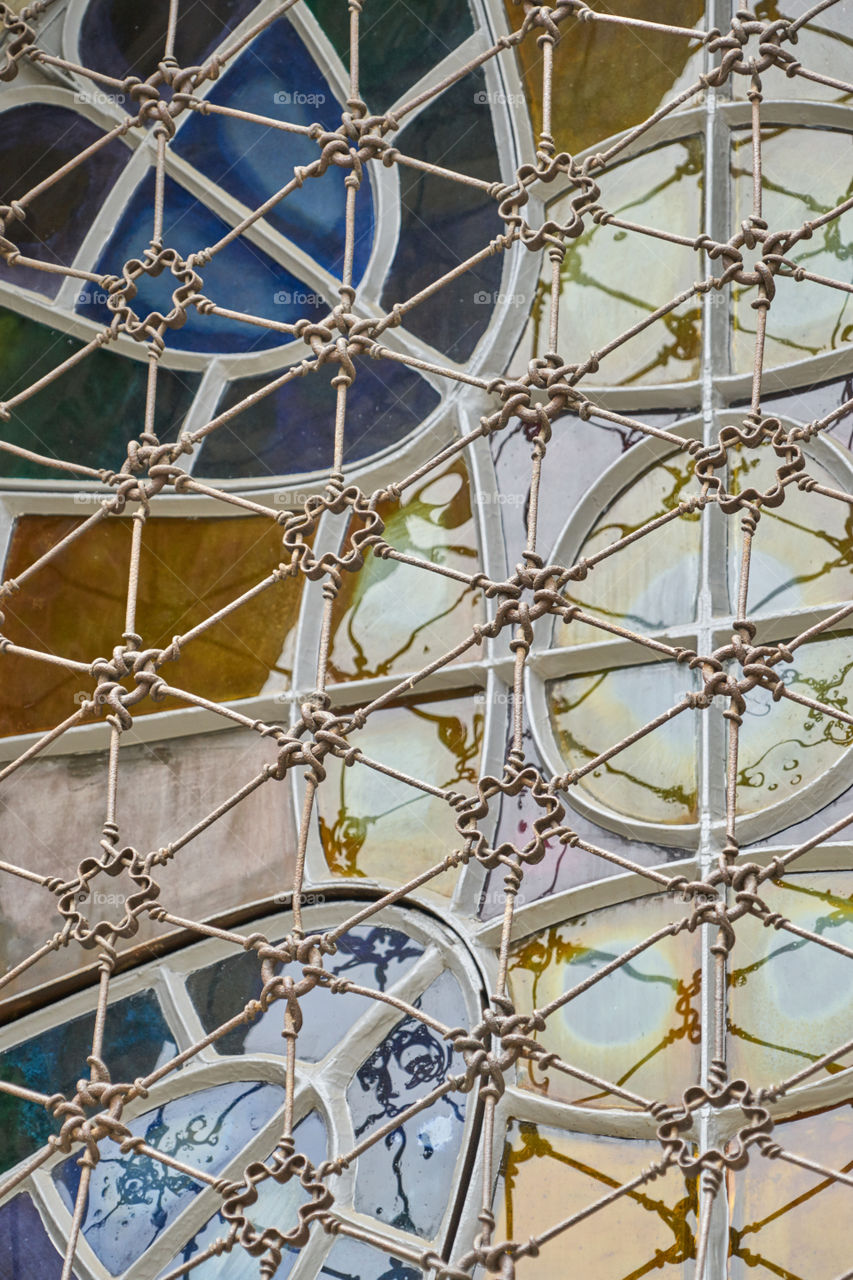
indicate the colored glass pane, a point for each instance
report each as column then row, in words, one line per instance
column 25, row 1248
column 352, row 1260
column 776, row 1026
column 804, row 318
column 371, row 956
column 36, row 141
column 380, row 827
column 638, row 1026
column 444, row 223
column 397, row 46
column 652, row 780
column 221, row 558
column 119, row 37
column 589, row 102
column 393, row 617
column 293, row 429
column 90, row 412
column 823, row 46
column 548, row 1176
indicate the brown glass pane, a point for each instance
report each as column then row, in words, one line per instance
column 75, row 606
column 638, row 1026
column 393, row 617
column 548, row 1175
column 375, row 826
column 590, row 101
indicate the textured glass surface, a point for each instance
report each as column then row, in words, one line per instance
column 391, row 617
column 119, row 37
column 222, row 558
column 637, row 1027
column 376, row 826
column 809, row 402
column 778, row 757
column 253, row 161
column 277, row 1205
column 25, row 1248
column 372, row 956
column 293, row 429
column 788, row 1222
column 612, row 281
column 407, row 1179
column 137, row 1041
column 35, row 141
column 396, row 50
column 91, row 412
column 649, row 584
column 444, row 223
column 352, row 1260
column 776, row 1026
column 548, row 1176
column 804, row 318
column 132, row 1198
column 802, row 552
column 240, row 277
column 823, row 45
column 589, row 102
column 654, row 779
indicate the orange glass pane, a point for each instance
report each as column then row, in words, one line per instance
column 190, row 568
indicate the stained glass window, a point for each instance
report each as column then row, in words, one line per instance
column 425, row 668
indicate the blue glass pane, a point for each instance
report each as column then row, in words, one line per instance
column 276, row 1205
column 370, row 956
column 91, row 412
column 123, row 37
column 35, row 141
column 241, row 277
column 137, row 1040
column 444, row 223
column 352, row 1260
column 277, row 77
column 406, row 1179
column 399, row 43
column 292, row 429
column 25, row 1249
column 132, row 1198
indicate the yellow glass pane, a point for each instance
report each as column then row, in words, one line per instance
column 392, row 617
column 548, row 1176
column 788, row 1222
column 776, row 1026
column 375, row 826
column 75, row 606
column 784, row 746
column 589, row 102
column 651, row 583
column 613, row 279
column 654, row 779
column 804, row 319
column 638, row 1026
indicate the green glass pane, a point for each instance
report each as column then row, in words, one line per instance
column 785, row 746
column 652, row 583
column 637, row 1026
column 654, row 779
column 401, row 40
column 375, row 826
column 613, row 279
column 776, row 1026
column 589, row 102
column 824, row 45
column 393, row 617
column 802, row 551
column 547, row 1176
column 787, row 1223
column 75, row 606
column 90, row 412
column 805, row 318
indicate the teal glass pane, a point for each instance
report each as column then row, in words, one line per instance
column 132, row 1198
column 137, row 1040
column 122, row 37
column 373, row 957
column 91, row 411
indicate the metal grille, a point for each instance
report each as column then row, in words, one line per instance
column 551, row 388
